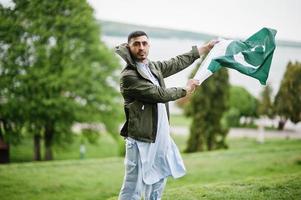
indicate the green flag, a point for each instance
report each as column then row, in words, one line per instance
column 251, row 57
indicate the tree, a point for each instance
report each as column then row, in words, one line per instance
column 10, row 116
column 266, row 105
column 242, row 104
column 206, row 107
column 288, row 98
column 56, row 70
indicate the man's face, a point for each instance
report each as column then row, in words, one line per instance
column 139, row 48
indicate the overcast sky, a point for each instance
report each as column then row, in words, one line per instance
column 229, row 18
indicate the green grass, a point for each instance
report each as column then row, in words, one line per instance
column 275, row 187
column 182, row 120
column 179, row 120
column 104, row 147
column 246, row 171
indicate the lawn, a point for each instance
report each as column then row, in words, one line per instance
column 245, row 171
column 179, row 120
column 104, row 147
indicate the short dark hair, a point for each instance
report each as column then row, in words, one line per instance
column 136, row 34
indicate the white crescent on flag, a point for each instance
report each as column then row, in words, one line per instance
column 239, row 58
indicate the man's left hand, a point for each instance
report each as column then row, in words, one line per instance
column 207, row 47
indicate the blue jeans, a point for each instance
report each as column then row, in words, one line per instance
column 133, row 187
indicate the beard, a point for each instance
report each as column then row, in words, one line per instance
column 140, row 56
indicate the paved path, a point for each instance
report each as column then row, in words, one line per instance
column 246, row 132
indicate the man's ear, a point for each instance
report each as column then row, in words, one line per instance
column 127, row 45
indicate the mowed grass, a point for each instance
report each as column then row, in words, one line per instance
column 104, row 146
column 179, row 120
column 245, row 171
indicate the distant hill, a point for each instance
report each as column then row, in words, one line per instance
column 111, row 28
column 123, row 29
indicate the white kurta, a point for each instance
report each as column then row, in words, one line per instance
column 162, row 158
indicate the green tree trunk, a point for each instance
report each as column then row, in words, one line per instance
column 37, row 147
column 48, row 139
column 4, row 152
column 281, row 124
column 210, row 142
column 196, row 140
column 4, row 145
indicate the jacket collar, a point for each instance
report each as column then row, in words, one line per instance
column 123, row 51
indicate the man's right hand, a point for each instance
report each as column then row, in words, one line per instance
column 191, row 85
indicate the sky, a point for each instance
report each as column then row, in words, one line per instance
column 226, row 18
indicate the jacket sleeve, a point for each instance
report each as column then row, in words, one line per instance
column 145, row 91
column 178, row 63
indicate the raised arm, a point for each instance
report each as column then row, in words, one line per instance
column 180, row 62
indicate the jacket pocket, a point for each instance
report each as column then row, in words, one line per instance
column 140, row 121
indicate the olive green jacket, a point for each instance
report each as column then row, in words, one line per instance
column 141, row 95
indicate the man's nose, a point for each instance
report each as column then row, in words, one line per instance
column 141, row 46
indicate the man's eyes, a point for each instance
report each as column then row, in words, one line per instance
column 138, row 43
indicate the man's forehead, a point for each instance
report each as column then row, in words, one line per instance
column 142, row 38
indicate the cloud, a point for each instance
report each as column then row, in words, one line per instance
column 231, row 18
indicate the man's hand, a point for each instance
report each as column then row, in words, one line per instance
column 191, row 85
column 207, row 47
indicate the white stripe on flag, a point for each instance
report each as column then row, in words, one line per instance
column 219, row 49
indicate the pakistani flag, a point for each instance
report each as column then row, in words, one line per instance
column 252, row 57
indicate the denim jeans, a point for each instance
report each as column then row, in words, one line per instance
column 133, row 187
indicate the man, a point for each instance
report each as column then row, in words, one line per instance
column 151, row 154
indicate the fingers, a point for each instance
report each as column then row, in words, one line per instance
column 212, row 43
column 193, row 81
column 208, row 46
column 192, row 84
